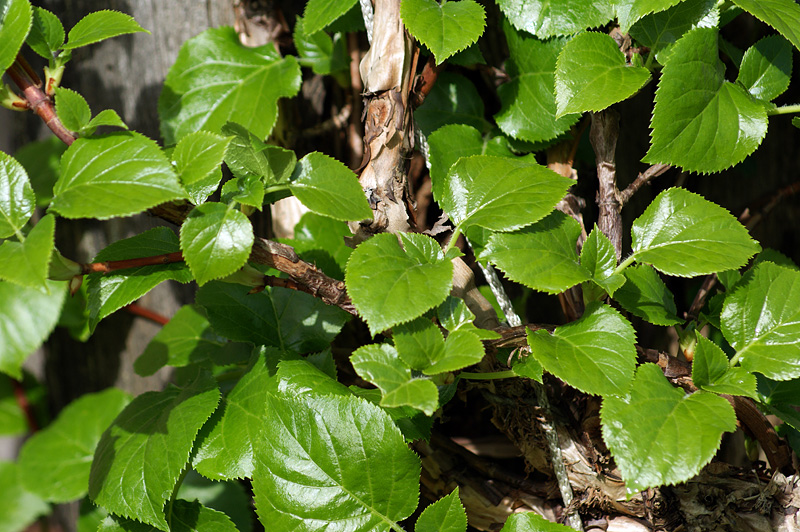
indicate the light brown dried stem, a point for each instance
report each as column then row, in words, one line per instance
column 603, row 136
column 641, row 180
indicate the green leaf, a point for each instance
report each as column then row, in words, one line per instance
column 72, row 109
column 320, row 241
column 216, row 240
column 681, row 233
column 226, row 449
column 287, row 319
column 711, row 371
column 229, row 498
column 783, row 15
column 419, row 343
column 15, row 23
column 500, row 193
column 28, row 317
column 528, row 102
column 658, row 31
column 47, row 33
column 117, row 174
column 99, row 26
column 248, row 190
column 27, row 263
column 660, row 436
column 451, row 142
column 444, row 28
column 380, row 365
column 454, row 315
column 12, row 418
column 701, row 122
column 445, row 515
column 248, row 156
column 761, row 320
column 453, row 100
column 528, row 367
column 531, row 522
column 141, row 455
column 325, row 55
column 106, row 117
column 42, row 161
column 384, row 280
column 320, row 13
column 767, row 67
column 546, row 19
column 184, row 516
column 591, row 74
column 600, row 259
column 778, row 392
column 18, row 507
column 199, row 156
column 186, row 339
column 327, row 187
column 54, row 463
column 644, row 294
column 542, row 256
column 629, row 11
column 321, row 448
column 302, row 377
column 216, row 79
column 112, row 291
column 595, row 354
column 17, row 200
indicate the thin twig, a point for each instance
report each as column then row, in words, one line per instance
column 641, row 180
column 423, row 84
column 25, row 405
column 142, row 312
column 114, row 265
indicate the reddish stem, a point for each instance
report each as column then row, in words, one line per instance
column 138, row 310
column 425, row 81
column 114, row 265
column 25, row 405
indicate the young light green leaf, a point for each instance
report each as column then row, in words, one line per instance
column 629, row 11
column 527, row 367
column 199, row 154
column 141, row 455
column 681, row 233
column 15, row 23
column 311, row 474
column 454, row 315
column 380, row 365
column 701, row 122
column 546, row 19
column 28, row 318
column 320, row 13
column 542, row 256
column 216, row 240
column 531, row 522
column 112, row 291
column 528, row 102
column 444, row 28
column 445, row 515
column 186, row 339
column 600, row 259
column 453, row 100
column 27, row 263
column 47, row 33
column 644, row 294
column 325, row 55
column 783, row 15
column 216, row 79
column 247, row 155
column 106, row 117
column 117, row 174
column 247, row 190
column 18, row 507
column 72, row 109
column 297, row 377
column 17, row 200
column 595, row 354
column 326, row 186
column 384, row 280
column 711, row 371
column 658, row 435
column 500, row 193
column 761, row 320
column 451, row 142
column 55, row 461
column 767, row 67
column 591, row 74
column 658, row 31
column 287, row 319
column 184, row 516
column 461, row 349
column 41, row 160
column 99, row 26
column 419, row 342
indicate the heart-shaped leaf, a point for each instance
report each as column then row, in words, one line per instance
column 444, row 28
column 546, row 19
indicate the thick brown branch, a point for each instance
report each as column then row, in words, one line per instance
column 603, row 136
column 641, row 180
